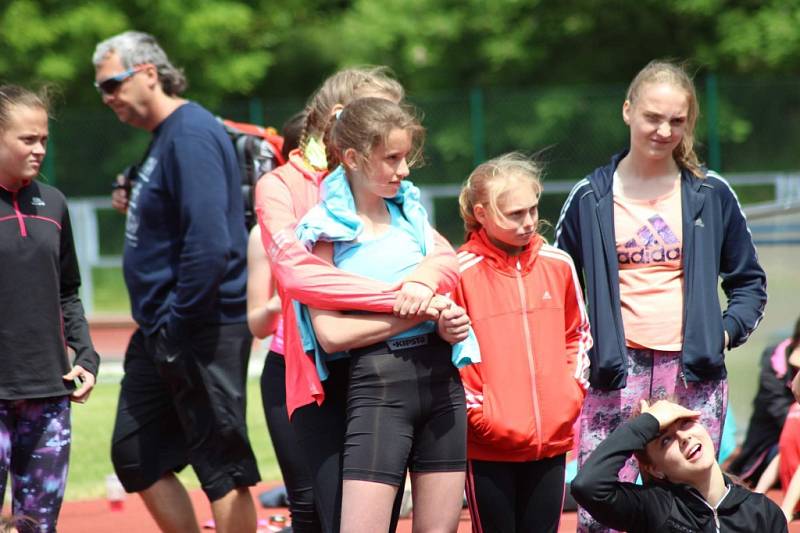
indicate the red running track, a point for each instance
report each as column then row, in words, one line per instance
column 95, row 516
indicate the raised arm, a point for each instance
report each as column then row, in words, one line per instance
column 617, row 504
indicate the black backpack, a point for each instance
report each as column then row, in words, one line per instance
column 258, row 150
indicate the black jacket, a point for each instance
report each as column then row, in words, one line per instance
column 40, row 312
column 716, row 243
column 770, row 407
column 663, row 507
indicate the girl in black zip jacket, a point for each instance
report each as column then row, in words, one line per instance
column 684, row 490
column 40, row 316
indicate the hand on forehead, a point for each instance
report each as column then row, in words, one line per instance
column 667, row 412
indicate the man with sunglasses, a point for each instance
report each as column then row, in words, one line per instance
column 183, row 394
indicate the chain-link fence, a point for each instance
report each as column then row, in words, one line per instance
column 745, row 126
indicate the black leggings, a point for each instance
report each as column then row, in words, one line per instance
column 506, row 497
column 295, row 472
column 405, row 407
column 319, row 430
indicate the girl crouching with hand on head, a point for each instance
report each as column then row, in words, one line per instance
column 525, row 304
column 684, row 489
column 405, row 402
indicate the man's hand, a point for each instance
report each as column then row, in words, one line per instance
column 667, row 412
column 413, row 300
column 86, row 381
column 453, row 324
column 119, row 196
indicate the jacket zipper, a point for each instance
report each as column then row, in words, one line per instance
column 23, row 231
column 531, row 365
column 714, row 509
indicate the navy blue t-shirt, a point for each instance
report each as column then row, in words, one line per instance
column 185, row 238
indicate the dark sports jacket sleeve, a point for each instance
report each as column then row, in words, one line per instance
column 568, row 231
column 196, row 164
column 76, row 329
column 774, row 396
column 743, row 279
column 617, row 504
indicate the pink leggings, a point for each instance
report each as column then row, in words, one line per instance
column 652, row 375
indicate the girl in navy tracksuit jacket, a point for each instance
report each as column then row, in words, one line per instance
column 40, row 317
column 652, row 233
column 685, row 489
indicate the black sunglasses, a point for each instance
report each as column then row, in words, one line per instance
column 110, row 85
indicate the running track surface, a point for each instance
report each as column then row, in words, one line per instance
column 95, row 516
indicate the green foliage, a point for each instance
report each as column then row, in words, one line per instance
column 231, row 47
column 760, row 35
column 47, row 42
column 552, row 74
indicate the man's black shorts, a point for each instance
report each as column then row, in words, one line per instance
column 188, row 409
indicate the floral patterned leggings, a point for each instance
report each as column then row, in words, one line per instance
column 652, row 375
column 35, row 437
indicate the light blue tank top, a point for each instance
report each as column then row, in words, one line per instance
column 388, row 257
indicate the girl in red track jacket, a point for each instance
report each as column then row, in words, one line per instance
column 525, row 303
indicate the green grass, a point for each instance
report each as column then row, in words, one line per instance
column 110, row 293
column 780, row 263
column 93, row 422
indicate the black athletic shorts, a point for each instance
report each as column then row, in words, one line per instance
column 188, row 409
column 405, row 406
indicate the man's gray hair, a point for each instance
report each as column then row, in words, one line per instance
column 137, row 48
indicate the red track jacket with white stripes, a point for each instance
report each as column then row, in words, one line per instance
column 528, row 314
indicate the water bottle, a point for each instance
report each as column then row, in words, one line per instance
column 115, row 493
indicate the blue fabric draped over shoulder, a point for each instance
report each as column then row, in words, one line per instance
column 334, row 219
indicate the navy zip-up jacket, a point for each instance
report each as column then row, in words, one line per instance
column 716, row 243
